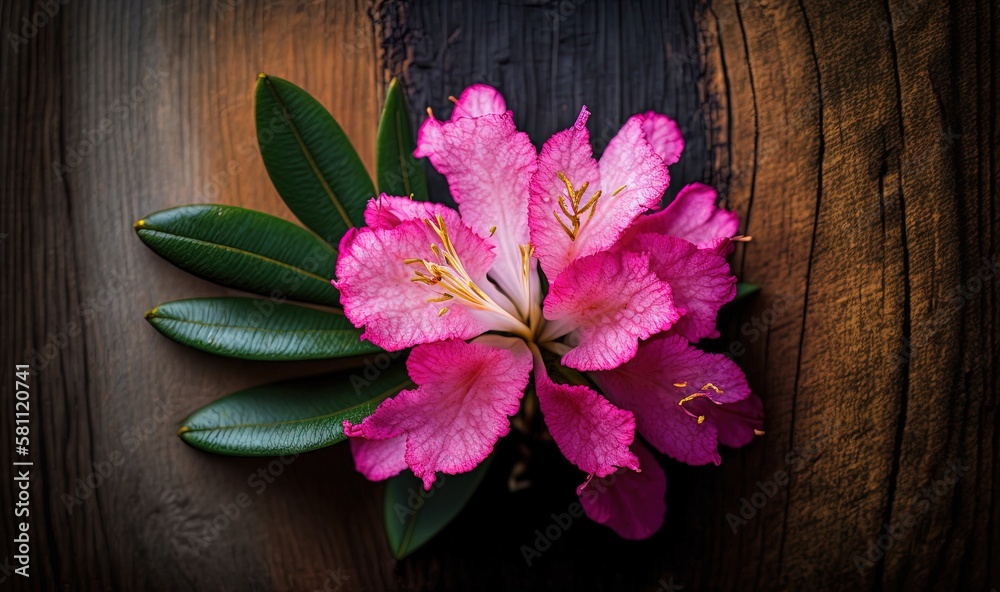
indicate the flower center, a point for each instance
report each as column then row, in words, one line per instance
column 570, row 206
column 446, row 277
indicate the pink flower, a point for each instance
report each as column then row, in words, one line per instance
column 628, row 290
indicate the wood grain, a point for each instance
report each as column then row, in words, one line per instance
column 857, row 141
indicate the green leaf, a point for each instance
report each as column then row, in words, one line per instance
column 255, row 329
column 397, row 170
column 744, row 289
column 310, row 160
column 293, row 416
column 413, row 516
column 244, row 249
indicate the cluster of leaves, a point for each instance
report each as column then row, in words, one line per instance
column 323, row 182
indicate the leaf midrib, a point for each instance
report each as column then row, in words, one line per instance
column 384, row 394
column 245, row 328
column 307, row 152
column 236, row 250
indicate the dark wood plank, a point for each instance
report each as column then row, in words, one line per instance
column 857, row 143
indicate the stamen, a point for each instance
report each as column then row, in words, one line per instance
column 681, row 384
column 701, row 419
column 758, row 432
column 452, row 99
column 493, row 230
column 690, row 398
column 619, row 190
column 717, row 390
column 447, row 272
column 572, row 211
column 741, row 239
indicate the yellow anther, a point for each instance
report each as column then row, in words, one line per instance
column 619, row 190
column 444, row 309
column 758, row 432
column 681, row 384
column 690, row 398
column 452, row 99
column 717, row 390
column 701, row 419
column 493, row 230
column 572, row 210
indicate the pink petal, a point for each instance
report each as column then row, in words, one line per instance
column 631, row 503
column 379, row 459
column 609, row 301
column 466, row 391
column 665, row 371
column 478, row 100
column 591, row 433
column 630, row 162
column 376, row 290
column 663, row 134
column 700, row 280
column 387, row 212
column 567, row 152
column 488, row 164
column 692, row 216
column 630, row 176
column 738, row 423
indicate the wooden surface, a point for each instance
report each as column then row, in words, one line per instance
column 857, row 141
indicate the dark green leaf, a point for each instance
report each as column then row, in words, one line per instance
column 744, row 289
column 397, row 171
column 413, row 516
column 244, row 249
column 254, row 329
column 310, row 160
column 293, row 416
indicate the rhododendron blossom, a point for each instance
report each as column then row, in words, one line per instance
column 629, row 291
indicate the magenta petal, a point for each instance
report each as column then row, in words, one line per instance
column 738, row 423
column 466, row 391
column 488, row 164
column 386, row 212
column 663, row 134
column 692, row 216
column 379, row 459
column 478, row 100
column 700, row 280
column 631, row 503
column 666, row 371
column 376, row 290
column 591, row 433
column 610, row 301
column 567, row 152
column 630, row 177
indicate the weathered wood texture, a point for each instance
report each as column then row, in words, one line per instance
column 857, row 141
